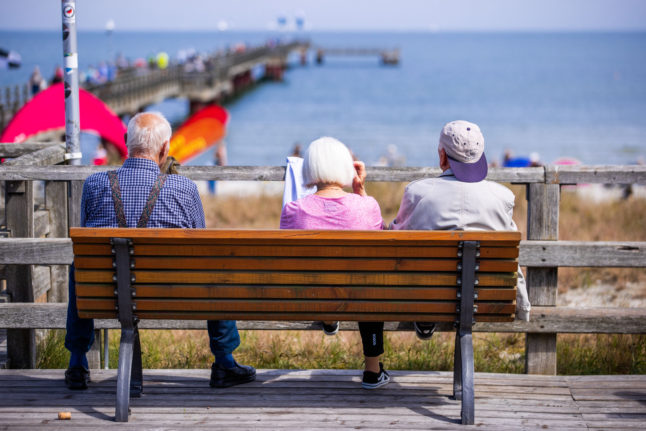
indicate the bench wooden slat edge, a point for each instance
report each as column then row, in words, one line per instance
column 298, row 292
column 85, row 234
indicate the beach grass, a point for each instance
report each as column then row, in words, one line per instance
column 495, row 353
column 580, row 219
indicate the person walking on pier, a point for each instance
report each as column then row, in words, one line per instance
column 460, row 199
column 139, row 191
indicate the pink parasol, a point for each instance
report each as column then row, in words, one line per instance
column 46, row 112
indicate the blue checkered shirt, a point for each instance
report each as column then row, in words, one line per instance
column 178, row 205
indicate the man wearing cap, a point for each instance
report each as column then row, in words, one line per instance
column 460, row 199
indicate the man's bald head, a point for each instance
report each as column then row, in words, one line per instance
column 148, row 135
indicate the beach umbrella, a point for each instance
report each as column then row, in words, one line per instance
column 199, row 133
column 9, row 59
column 46, row 112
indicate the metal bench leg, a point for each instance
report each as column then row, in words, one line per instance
column 123, row 377
column 466, row 348
column 463, row 341
column 137, row 379
column 457, row 369
column 129, row 334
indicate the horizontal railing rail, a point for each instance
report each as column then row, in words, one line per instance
column 600, row 174
column 58, row 251
column 544, row 320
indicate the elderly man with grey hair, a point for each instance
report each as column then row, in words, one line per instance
column 460, row 199
column 139, row 195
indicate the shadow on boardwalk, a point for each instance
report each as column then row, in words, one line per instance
column 324, row 399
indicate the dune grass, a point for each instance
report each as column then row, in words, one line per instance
column 580, row 219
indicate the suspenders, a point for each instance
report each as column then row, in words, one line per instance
column 150, row 202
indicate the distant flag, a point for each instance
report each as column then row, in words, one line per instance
column 300, row 20
column 9, row 59
column 281, row 21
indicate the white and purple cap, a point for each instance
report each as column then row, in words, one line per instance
column 464, row 146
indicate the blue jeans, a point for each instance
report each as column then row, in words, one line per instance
column 223, row 334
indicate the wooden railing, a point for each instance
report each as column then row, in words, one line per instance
column 39, row 237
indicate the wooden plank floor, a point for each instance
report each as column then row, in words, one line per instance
column 324, row 399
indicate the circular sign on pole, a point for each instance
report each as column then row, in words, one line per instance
column 68, row 11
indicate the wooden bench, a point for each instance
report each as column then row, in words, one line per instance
column 424, row 276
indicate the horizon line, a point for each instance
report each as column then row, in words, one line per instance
column 341, row 30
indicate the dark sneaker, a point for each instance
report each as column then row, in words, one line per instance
column 331, row 329
column 224, row 377
column 424, row 330
column 374, row 380
column 77, row 377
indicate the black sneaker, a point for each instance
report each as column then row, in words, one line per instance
column 224, row 377
column 331, row 329
column 424, row 330
column 77, row 377
column 374, row 380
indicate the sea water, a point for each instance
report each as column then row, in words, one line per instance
column 580, row 95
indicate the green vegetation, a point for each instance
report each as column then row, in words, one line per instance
column 494, row 353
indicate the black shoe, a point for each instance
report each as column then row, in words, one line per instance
column 424, row 330
column 77, row 377
column 374, row 380
column 224, row 377
column 330, row 329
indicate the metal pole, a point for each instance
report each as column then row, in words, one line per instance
column 106, row 350
column 71, row 83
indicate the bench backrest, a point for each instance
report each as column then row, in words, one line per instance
column 295, row 274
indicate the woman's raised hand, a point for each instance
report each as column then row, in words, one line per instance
column 359, row 179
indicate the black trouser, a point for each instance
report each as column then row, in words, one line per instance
column 372, row 337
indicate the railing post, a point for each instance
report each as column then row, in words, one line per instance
column 55, row 202
column 75, row 190
column 19, row 207
column 542, row 283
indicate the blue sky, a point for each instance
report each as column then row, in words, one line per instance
column 360, row 15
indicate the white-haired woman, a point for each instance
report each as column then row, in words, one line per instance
column 328, row 165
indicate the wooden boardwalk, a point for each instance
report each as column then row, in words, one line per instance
column 325, row 399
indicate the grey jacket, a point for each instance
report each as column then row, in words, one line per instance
column 444, row 203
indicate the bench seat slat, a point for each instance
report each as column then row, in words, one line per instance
column 297, row 251
column 296, row 264
column 297, row 292
column 293, row 236
column 354, row 317
column 310, row 277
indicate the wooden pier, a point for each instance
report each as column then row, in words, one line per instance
column 386, row 56
column 325, row 399
column 225, row 76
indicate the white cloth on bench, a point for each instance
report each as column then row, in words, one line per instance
column 294, row 187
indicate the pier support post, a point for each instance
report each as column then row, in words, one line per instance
column 542, row 283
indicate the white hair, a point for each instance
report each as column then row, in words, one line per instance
column 147, row 131
column 328, row 161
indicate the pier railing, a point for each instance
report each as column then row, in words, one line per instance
column 135, row 88
column 35, row 251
